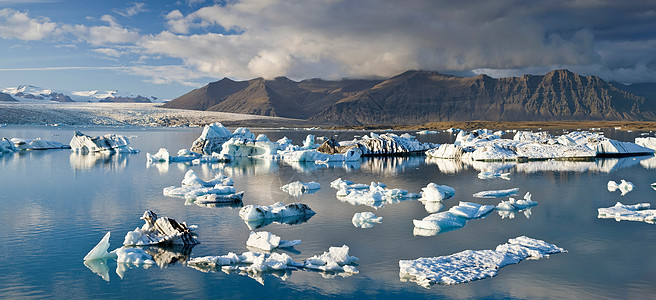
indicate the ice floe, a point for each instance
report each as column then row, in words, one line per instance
column 83, row 143
column 435, row 192
column 637, row 212
column 158, row 231
column 254, row 264
column 470, row 265
column 186, row 156
column 365, row 219
column 490, row 175
column 497, row 193
column 386, row 144
column 513, row 204
column 624, row 186
column 484, row 145
column 218, row 190
column 298, row 188
column 257, row 216
column 456, row 217
column 267, row 241
column 375, row 195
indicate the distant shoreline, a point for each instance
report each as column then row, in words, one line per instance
column 152, row 115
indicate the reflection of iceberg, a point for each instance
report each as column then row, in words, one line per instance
column 116, row 161
column 168, row 254
column 470, row 265
column 507, row 209
column 649, row 163
column 446, row 165
column 391, row 165
column 98, row 266
column 293, row 220
column 636, row 212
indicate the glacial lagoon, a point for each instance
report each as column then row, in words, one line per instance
column 58, row 204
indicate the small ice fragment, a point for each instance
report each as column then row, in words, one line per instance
column 365, row 219
column 624, row 186
column 436, row 192
column 335, row 260
column 490, row 175
column 298, row 188
column 497, row 193
column 470, row 210
column 274, row 211
column 267, row 241
column 517, row 205
column 100, row 250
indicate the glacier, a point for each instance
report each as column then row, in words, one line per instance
column 470, row 265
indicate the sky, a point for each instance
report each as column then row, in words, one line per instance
column 167, row 48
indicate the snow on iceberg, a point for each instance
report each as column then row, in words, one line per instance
column 298, row 188
column 267, row 241
column 82, row 143
column 470, row 265
column 211, row 139
column 376, row 196
column 257, row 216
column 434, row 192
column 336, row 259
column 636, row 212
column 456, row 217
column 497, row 193
column 365, row 219
column 158, row 231
column 517, row 205
column 624, row 186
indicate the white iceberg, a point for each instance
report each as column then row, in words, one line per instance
column 490, row 175
column 6, row 146
column 337, row 259
column 376, row 196
column 36, row 144
column 636, row 212
column 158, row 231
column 191, row 179
column 470, row 210
column 347, row 184
column 277, row 210
column 456, row 217
column 211, row 139
column 219, row 189
column 100, row 250
column 298, row 188
column 647, row 142
column 517, row 205
column 267, row 241
column 434, row 192
column 624, row 186
column 365, row 219
column 470, row 265
column 497, row 193
column 82, row 143
column 162, row 155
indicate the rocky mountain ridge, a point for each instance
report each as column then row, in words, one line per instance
column 418, row 97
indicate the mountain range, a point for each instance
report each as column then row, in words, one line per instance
column 33, row 93
column 418, row 97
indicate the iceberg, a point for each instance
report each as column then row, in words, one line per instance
column 624, row 186
column 6, row 146
column 647, row 142
column 376, row 196
column 490, row 175
column 186, row 156
column 470, row 210
column 497, row 193
column 640, row 212
column 434, row 192
column 277, row 210
column 267, row 241
column 517, row 205
column 158, row 231
column 100, row 250
column 365, row 219
column 298, row 188
column 211, row 139
column 191, row 179
column 37, row 144
column 387, row 144
column 470, row 265
column 336, row 259
column 82, row 143
column 218, row 190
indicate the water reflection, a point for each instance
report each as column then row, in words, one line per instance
column 510, row 214
column 87, row 161
column 98, row 266
column 293, row 220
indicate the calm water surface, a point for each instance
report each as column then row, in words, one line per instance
column 57, row 205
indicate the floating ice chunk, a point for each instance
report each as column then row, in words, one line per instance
column 162, row 155
column 490, row 175
column 6, row 146
column 470, row 265
column 337, row 259
column 440, row 221
column 37, row 144
column 267, row 241
column 647, row 142
column 636, row 212
column 298, row 188
column 653, row 185
column 131, row 255
column 365, row 219
column 375, row 196
column 159, row 230
column 248, row 261
column 517, row 205
column 211, row 139
column 497, row 193
column 218, row 198
column 470, row 210
column 347, row 184
column 426, row 132
column 82, row 143
column 100, row 250
column 277, row 210
column 191, row 179
column 435, row 192
column 624, row 186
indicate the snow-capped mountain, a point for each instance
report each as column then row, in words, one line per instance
column 30, row 93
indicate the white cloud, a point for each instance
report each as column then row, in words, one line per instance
column 134, row 9
column 108, row 51
column 18, row 25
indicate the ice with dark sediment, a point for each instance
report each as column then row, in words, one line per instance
column 386, row 144
column 211, row 139
column 484, row 145
column 497, row 193
column 640, row 212
column 470, row 265
column 624, row 186
column 82, row 143
column 298, row 188
column 159, row 230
